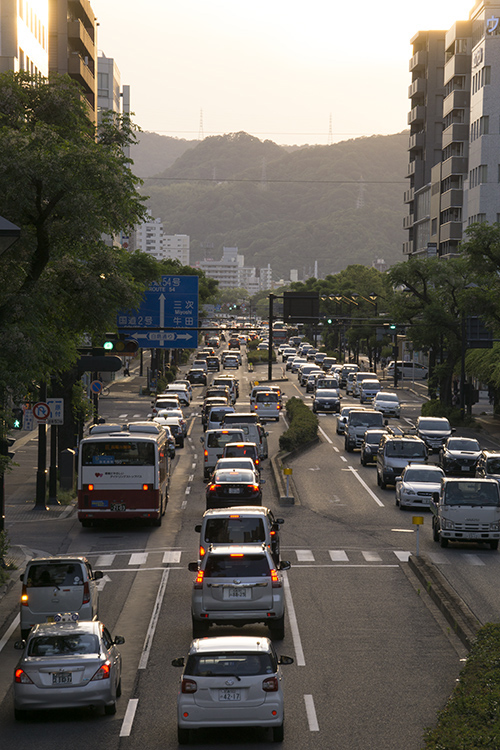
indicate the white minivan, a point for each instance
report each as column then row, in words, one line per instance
column 213, row 446
column 267, row 405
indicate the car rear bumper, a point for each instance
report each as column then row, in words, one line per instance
column 233, row 715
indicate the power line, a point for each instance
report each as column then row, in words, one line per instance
column 257, row 179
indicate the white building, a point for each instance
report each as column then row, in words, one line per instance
column 24, row 36
column 149, row 238
column 176, row 247
column 231, row 273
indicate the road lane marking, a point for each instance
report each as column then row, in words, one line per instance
column 473, row 559
column 338, row 555
column 143, row 662
column 311, row 714
column 104, row 561
column 172, row 556
column 294, row 627
column 344, row 459
column 128, row 719
column 187, row 490
column 371, row 556
column 183, row 504
column 14, row 624
column 402, row 556
column 304, row 555
column 362, row 482
column 327, row 438
column 138, row 558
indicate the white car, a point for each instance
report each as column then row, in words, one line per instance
column 417, row 483
column 231, row 681
column 388, row 404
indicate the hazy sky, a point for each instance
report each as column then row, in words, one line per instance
column 274, row 69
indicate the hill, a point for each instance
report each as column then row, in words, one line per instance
column 338, row 205
column 153, row 153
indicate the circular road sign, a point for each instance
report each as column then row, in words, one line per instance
column 41, row 410
column 96, row 386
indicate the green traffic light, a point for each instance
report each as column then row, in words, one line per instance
column 329, row 321
column 17, row 424
column 108, row 345
column 392, row 326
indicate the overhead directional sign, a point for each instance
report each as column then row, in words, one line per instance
column 169, row 304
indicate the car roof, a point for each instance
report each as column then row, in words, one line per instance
column 58, row 628
column 58, row 558
column 424, row 467
column 239, row 510
column 231, row 644
column 248, row 549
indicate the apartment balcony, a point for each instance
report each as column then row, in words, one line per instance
column 452, row 230
column 408, row 247
column 417, row 88
column 454, row 165
column 409, row 195
column 80, row 39
column 419, row 60
column 416, row 170
column 81, row 72
column 458, row 65
column 452, row 199
column 408, row 221
column 458, row 99
column 455, row 133
column 417, row 114
column 416, row 141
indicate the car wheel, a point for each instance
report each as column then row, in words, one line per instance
column 200, row 629
column 398, row 504
column 278, row 733
column 182, row 736
column 86, row 523
column 362, row 461
column 181, row 443
column 110, row 710
column 382, row 484
column 494, row 544
column 20, row 714
column 156, row 521
column 435, row 533
column 443, row 541
column 348, row 446
column 277, row 629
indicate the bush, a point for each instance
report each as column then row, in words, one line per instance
column 471, row 719
column 303, row 425
column 258, row 357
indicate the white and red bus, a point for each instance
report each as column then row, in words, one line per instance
column 123, row 474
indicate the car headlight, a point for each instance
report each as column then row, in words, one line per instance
column 409, row 492
column 495, row 526
column 447, row 524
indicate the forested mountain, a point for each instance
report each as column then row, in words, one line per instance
column 153, row 153
column 339, row 204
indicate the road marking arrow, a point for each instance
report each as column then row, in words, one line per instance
column 104, row 580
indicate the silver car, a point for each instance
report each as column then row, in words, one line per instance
column 388, row 404
column 237, row 585
column 416, row 485
column 232, row 681
column 68, row 665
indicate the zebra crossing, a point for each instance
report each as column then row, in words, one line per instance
column 302, row 557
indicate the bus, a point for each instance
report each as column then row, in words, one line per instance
column 123, row 474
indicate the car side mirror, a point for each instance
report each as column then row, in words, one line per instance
column 197, row 528
column 285, row 660
column 398, row 479
column 280, row 520
column 193, row 567
column 202, row 439
column 21, row 576
column 262, row 481
column 435, row 497
column 285, row 565
column 118, row 640
column 20, row 645
column 98, row 574
column 179, row 662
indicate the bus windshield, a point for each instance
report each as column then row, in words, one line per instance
column 118, row 453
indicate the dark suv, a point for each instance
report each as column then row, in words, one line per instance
column 394, row 453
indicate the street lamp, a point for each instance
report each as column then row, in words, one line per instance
column 9, row 234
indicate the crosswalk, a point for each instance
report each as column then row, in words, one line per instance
column 299, row 557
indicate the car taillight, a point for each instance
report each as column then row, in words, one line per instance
column 272, row 532
column 147, row 486
column 86, row 593
column 103, row 673
column 90, row 487
column 214, row 487
column 275, row 579
column 24, row 596
column 188, row 686
column 198, row 584
column 21, row 676
column 202, row 551
column 205, row 453
column 270, row 685
column 253, row 487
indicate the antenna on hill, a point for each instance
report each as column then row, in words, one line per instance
column 330, row 132
column 201, row 134
column 360, row 201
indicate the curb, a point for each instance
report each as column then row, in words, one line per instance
column 278, row 462
column 461, row 619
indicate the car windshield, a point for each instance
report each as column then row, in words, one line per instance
column 209, row 665
column 387, row 397
column 71, row 644
column 242, row 566
column 219, row 439
column 374, row 438
column 405, row 449
column 427, row 475
column 325, row 393
column 234, row 530
column 54, row 574
column 439, row 425
column 471, row 493
column 463, row 444
column 236, row 475
column 493, row 465
column 362, row 419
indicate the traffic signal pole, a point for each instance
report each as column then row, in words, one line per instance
column 41, row 474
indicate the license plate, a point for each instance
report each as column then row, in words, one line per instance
column 118, row 506
column 62, row 678
column 472, row 535
column 234, row 490
column 237, row 593
column 465, row 468
column 229, row 695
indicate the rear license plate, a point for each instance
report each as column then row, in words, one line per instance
column 118, row 507
column 236, row 593
column 229, row 695
column 465, row 468
column 62, row 678
column 234, row 490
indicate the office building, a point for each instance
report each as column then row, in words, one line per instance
column 24, row 36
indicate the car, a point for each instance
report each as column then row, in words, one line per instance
column 368, row 389
column 312, row 379
column 240, row 525
column 326, row 381
column 238, row 585
column 417, row 484
column 328, row 362
column 267, row 405
column 239, row 462
column 186, row 384
column 245, row 449
column 230, row 363
column 209, row 404
column 413, row 370
column 326, row 400
column 231, row 382
column 213, row 446
column 488, row 465
column 304, row 371
column 296, row 363
column 218, row 391
column 177, row 413
column 387, row 403
column 344, row 373
column 370, row 445
column 197, row 376
column 51, row 585
column 68, row 664
column 434, row 431
column 200, row 364
column 395, row 452
column 164, row 403
column 459, row 455
column 228, row 487
column 180, row 391
column 230, row 681
column 342, row 418
column 215, row 416
column 213, row 364
column 175, row 426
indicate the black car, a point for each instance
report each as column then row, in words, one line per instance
column 229, row 487
column 326, row 400
column 197, row 377
column 369, row 446
column 459, row 456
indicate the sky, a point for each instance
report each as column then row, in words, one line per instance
column 312, row 72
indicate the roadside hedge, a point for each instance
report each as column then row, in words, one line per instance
column 260, row 357
column 303, row 425
column 471, row 719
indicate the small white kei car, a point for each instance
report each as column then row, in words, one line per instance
column 232, row 681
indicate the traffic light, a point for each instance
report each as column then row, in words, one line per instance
column 393, row 326
column 329, row 321
column 17, row 418
column 120, row 346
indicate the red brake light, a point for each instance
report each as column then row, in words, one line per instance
column 202, row 551
column 90, row 487
column 188, row 686
column 254, row 487
column 21, row 676
column 214, row 487
column 234, row 554
column 270, row 684
column 86, row 593
column 198, row 584
column 24, row 596
column 103, row 673
column 275, row 579
column 145, row 486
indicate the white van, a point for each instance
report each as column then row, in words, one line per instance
column 213, row 446
column 358, row 379
column 412, row 370
column 267, row 405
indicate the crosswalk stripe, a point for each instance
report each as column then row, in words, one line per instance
column 473, row 559
column 304, row 555
column 104, row 561
column 402, row 556
column 338, row 555
column 438, row 558
column 172, row 556
column 372, row 556
column 138, row 558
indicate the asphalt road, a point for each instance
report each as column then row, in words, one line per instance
column 373, row 661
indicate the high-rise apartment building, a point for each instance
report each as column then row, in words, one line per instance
column 24, row 36
column 463, row 185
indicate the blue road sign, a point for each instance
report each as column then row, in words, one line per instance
column 169, row 304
